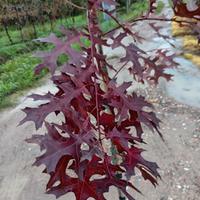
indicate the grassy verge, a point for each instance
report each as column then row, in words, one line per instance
column 17, row 64
column 17, row 75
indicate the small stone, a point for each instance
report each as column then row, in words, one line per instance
column 179, row 186
column 186, row 186
column 186, row 169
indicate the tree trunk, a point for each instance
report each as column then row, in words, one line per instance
column 31, row 20
column 19, row 24
column 7, row 33
column 34, row 27
column 51, row 22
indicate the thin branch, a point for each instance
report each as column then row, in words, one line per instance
column 119, row 70
column 149, row 19
column 75, row 5
column 114, row 18
column 95, row 81
column 161, row 19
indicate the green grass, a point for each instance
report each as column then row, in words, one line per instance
column 160, row 7
column 17, row 64
column 16, row 75
column 137, row 9
column 10, row 52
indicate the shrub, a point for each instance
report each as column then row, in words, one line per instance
column 94, row 138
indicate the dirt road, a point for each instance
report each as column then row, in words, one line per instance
column 178, row 157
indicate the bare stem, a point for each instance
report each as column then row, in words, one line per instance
column 75, row 5
column 150, row 19
column 95, row 81
column 122, row 67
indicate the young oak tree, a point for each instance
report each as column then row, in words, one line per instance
column 97, row 111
